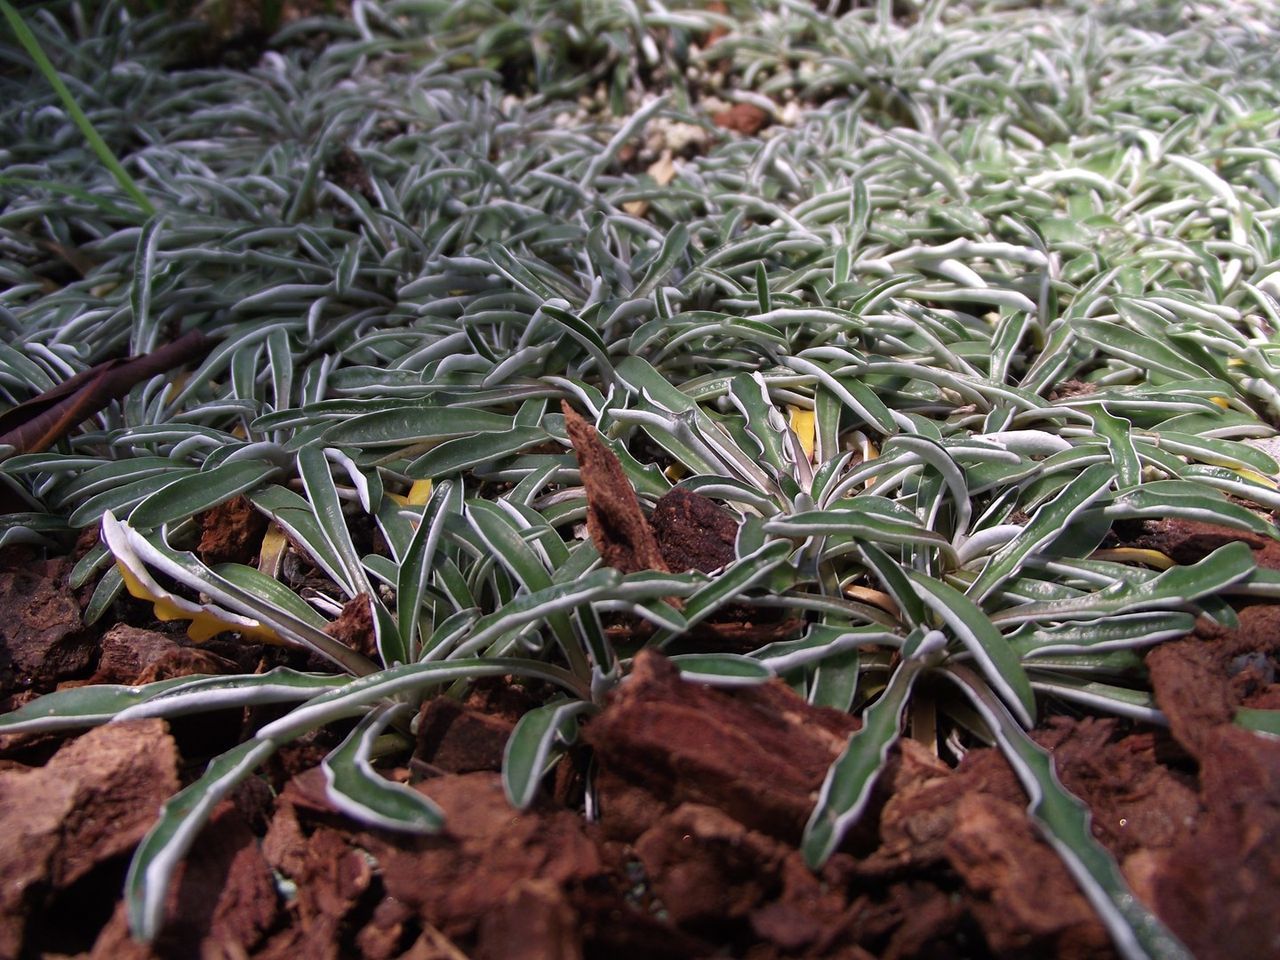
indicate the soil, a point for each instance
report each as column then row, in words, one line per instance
column 701, row 797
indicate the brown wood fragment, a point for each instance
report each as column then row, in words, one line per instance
column 617, row 527
column 354, row 626
column 42, row 421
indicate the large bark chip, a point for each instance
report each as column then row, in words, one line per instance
column 759, row 753
column 42, row 639
column 617, row 527
column 92, row 802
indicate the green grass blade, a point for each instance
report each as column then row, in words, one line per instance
column 96, row 143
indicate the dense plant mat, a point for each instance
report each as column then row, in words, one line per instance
column 601, row 479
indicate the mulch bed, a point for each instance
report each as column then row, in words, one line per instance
column 701, row 795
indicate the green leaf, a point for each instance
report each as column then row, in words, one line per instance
column 855, row 395
column 415, row 569
column 1175, row 587
column 540, row 736
column 146, row 329
column 936, row 456
column 1145, row 353
column 835, row 681
column 861, row 522
column 197, row 492
column 728, row 586
column 313, row 467
column 1184, row 500
column 1116, row 431
column 355, row 788
column 819, row 642
column 1259, row 721
column 500, row 534
column 181, row 818
column 417, row 424
column 454, row 456
column 124, row 497
column 1064, row 821
column 1122, row 631
column 1049, row 522
column 848, row 784
column 1095, row 695
column 673, row 248
column 895, row 583
column 81, row 707
column 764, row 423
column 722, row 669
column 983, row 641
column 352, row 699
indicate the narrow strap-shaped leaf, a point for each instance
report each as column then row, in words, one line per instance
column 819, row 642
column 989, row 648
column 936, row 456
column 146, row 329
column 124, row 498
column 183, row 815
column 890, row 574
column 1096, row 695
column 860, row 524
column 463, row 453
column 300, row 524
column 530, row 608
column 1145, row 353
column 254, row 581
column 585, row 334
column 738, row 577
column 539, row 736
column 1064, row 820
column 856, row 396
column 500, row 534
column 323, row 494
column 722, row 669
column 1158, row 500
column 367, row 690
column 203, row 694
column 835, row 681
column 1045, row 525
column 196, row 492
column 355, row 788
column 673, row 248
column 1124, row 631
column 85, row 706
column 1175, row 587
column 407, row 425
column 849, row 781
column 764, row 423
column 1117, row 432
column 415, row 567
column 367, row 482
